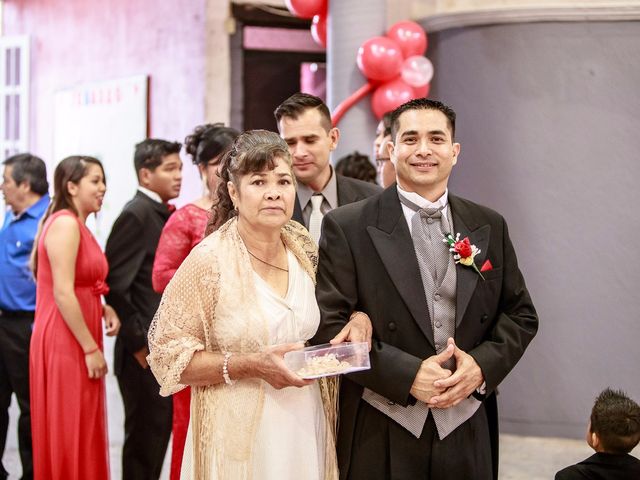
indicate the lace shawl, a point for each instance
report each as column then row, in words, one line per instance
column 211, row 304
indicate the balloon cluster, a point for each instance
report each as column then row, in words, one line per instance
column 396, row 69
column 397, row 65
column 315, row 10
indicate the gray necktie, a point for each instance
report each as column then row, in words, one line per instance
column 427, row 232
column 428, row 228
column 315, row 219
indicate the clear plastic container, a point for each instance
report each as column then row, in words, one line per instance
column 327, row 360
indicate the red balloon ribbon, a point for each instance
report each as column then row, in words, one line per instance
column 351, row 100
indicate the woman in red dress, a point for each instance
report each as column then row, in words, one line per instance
column 67, row 366
column 183, row 231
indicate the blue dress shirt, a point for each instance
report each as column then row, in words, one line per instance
column 17, row 286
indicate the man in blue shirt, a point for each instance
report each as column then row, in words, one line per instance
column 25, row 189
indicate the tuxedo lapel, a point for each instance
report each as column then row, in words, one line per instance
column 297, row 211
column 392, row 240
column 467, row 278
column 161, row 208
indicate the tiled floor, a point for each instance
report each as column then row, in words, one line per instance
column 526, row 458
column 521, row 458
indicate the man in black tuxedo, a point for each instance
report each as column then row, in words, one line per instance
column 130, row 250
column 614, row 430
column 304, row 122
column 447, row 326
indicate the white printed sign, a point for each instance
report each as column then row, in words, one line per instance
column 103, row 120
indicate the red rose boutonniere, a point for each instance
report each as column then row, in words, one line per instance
column 463, row 251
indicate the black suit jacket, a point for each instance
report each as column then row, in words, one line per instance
column 603, row 466
column 368, row 263
column 349, row 190
column 130, row 251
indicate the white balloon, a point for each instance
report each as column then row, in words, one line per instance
column 417, row 71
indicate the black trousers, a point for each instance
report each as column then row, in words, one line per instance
column 15, row 336
column 383, row 450
column 147, row 423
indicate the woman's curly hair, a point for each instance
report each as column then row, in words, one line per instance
column 253, row 151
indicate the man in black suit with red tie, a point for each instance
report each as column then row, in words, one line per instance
column 130, row 251
column 448, row 325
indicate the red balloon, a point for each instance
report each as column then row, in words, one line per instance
column 380, row 59
column 390, row 96
column 307, row 8
column 422, row 92
column 410, row 37
column 319, row 30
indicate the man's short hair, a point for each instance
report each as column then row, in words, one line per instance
column 615, row 418
column 356, row 165
column 298, row 103
column 422, row 104
column 31, row 169
column 386, row 123
column 150, row 152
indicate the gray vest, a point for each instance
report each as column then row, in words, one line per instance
column 438, row 273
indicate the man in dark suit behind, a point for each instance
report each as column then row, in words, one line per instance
column 614, row 430
column 130, row 251
column 304, row 122
column 445, row 334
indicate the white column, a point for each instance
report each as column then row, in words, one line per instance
column 350, row 24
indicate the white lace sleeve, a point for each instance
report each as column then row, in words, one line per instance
column 182, row 324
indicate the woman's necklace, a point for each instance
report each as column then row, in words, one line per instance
column 267, row 263
column 258, row 258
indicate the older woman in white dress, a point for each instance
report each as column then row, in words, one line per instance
column 241, row 300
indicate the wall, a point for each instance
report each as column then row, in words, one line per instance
column 548, row 121
column 76, row 41
column 423, row 8
column 549, row 127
